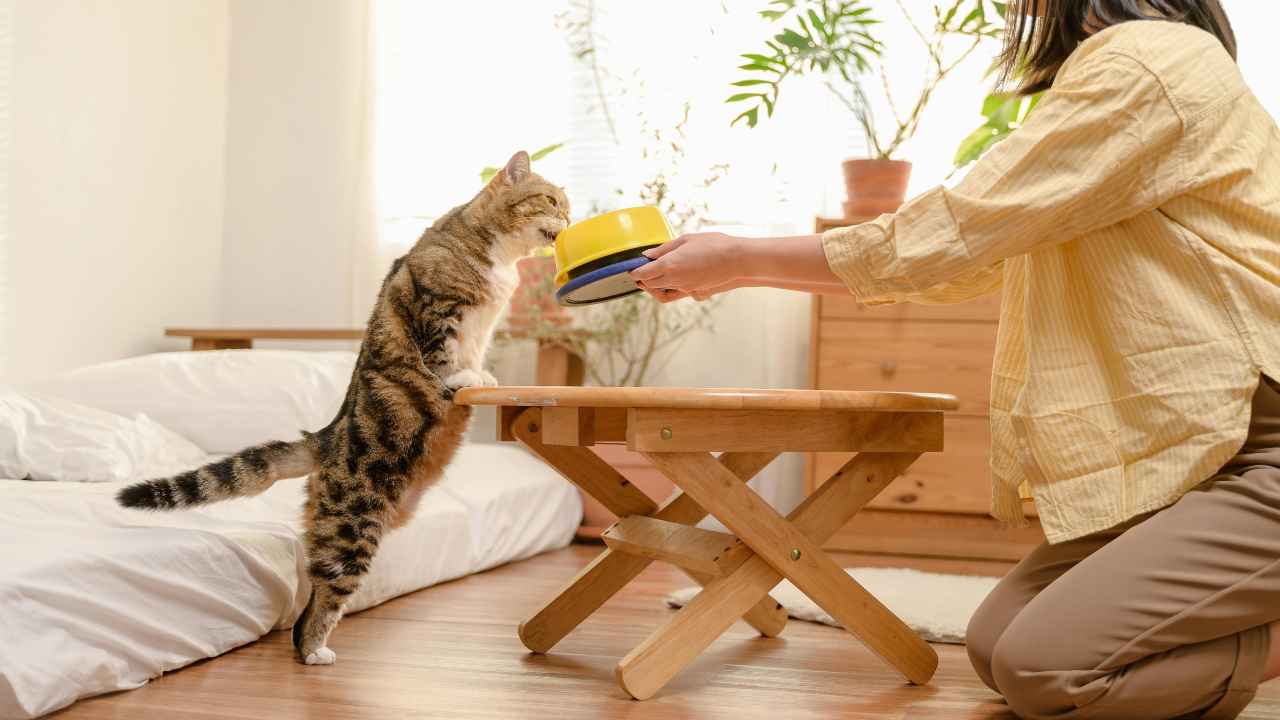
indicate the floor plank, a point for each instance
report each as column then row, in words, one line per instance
column 451, row 652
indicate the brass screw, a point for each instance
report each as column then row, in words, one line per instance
column 795, row 553
column 665, row 432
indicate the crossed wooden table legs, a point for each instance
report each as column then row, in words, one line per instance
column 676, row 430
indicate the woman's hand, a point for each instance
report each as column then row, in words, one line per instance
column 702, row 265
column 697, row 265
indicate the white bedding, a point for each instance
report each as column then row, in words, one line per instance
column 96, row 598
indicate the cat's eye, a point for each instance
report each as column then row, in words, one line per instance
column 554, row 203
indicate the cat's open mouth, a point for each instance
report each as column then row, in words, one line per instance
column 549, row 235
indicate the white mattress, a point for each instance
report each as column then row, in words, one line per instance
column 95, row 598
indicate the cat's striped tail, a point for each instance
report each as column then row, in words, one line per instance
column 248, row 472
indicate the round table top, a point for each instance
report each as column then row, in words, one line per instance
column 707, row 398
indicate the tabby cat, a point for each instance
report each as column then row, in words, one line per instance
column 398, row 426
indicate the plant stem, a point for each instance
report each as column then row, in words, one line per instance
column 940, row 70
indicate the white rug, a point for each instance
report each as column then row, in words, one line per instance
column 936, row 606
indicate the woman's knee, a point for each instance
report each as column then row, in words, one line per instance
column 988, row 623
column 1035, row 677
column 980, row 638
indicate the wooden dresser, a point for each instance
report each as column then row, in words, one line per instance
column 939, row 508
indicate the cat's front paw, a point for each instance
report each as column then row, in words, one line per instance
column 488, row 379
column 320, row 656
column 465, row 378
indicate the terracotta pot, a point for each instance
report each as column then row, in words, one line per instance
column 874, row 187
column 535, row 297
column 632, row 466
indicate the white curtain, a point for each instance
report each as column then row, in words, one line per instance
column 6, row 298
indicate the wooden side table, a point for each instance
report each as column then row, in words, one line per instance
column 678, row 429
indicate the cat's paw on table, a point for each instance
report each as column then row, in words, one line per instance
column 470, row 378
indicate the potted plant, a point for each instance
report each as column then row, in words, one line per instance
column 834, row 39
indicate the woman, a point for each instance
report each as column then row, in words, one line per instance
column 1133, row 226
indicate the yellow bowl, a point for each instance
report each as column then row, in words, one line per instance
column 602, row 236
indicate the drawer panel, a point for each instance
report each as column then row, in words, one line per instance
column 908, row 356
column 956, row 480
column 983, row 309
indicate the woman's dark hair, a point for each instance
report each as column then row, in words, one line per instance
column 1036, row 44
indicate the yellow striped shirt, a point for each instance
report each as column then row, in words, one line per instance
column 1134, row 225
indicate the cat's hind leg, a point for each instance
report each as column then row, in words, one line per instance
column 345, row 524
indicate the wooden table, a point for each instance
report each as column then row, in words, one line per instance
column 678, row 429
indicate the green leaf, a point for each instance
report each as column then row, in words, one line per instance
column 791, row 38
column 543, row 152
column 805, row 27
column 973, row 146
column 991, row 104
column 816, row 22
column 743, row 96
column 762, row 59
column 950, row 14
column 487, row 174
column 1003, row 114
column 1006, row 113
column 749, row 82
column 750, row 116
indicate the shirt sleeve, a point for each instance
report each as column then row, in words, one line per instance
column 1100, row 147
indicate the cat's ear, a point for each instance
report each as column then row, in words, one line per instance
column 517, row 168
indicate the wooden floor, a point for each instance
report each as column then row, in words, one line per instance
column 451, row 652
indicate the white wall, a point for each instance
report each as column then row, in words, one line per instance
column 118, row 125
column 1254, row 23
column 294, row 155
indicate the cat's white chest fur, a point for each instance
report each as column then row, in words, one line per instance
column 475, row 329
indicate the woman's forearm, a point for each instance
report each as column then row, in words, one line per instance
column 701, row 265
column 791, row 263
column 816, row 288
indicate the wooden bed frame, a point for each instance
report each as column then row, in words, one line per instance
column 557, row 364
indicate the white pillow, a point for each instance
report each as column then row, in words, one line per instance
column 52, row 439
column 223, row 401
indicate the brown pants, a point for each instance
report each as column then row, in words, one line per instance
column 1165, row 616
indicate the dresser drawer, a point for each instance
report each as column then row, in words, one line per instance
column 908, row 356
column 983, row 309
column 956, row 480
